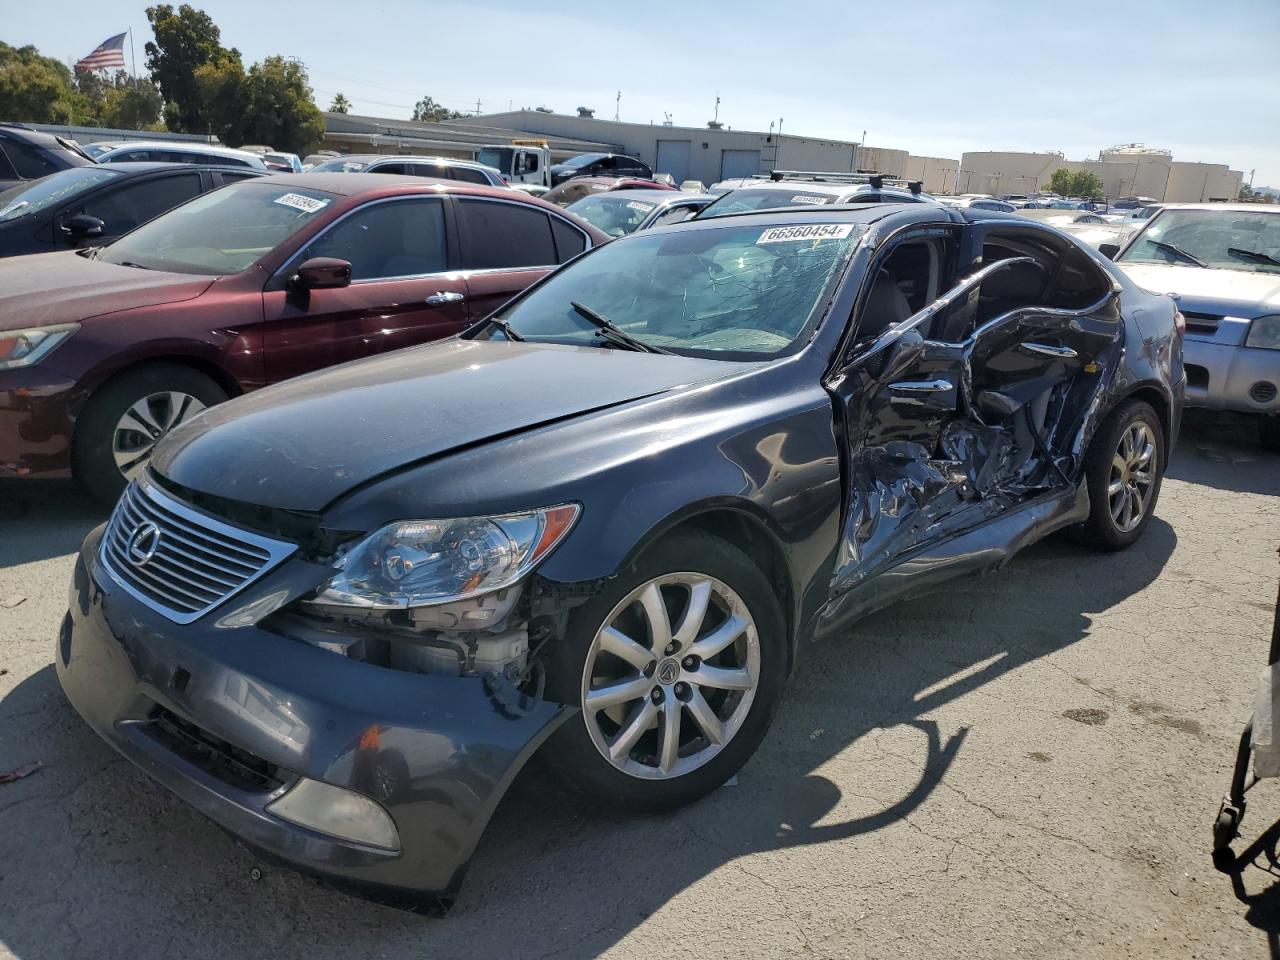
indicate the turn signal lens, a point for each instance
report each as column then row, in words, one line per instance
column 340, row 813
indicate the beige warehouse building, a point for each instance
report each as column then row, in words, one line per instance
column 1128, row 170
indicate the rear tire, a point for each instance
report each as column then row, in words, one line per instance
column 124, row 419
column 1123, row 468
column 702, row 688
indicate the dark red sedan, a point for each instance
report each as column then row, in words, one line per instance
column 104, row 351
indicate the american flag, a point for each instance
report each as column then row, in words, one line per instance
column 109, row 53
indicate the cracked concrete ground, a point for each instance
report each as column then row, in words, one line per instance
column 1024, row 765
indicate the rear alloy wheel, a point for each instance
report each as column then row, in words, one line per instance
column 1123, row 469
column 677, row 665
column 124, row 420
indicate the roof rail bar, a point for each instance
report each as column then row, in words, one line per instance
column 876, row 180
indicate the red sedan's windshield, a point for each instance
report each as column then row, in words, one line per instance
column 222, row 232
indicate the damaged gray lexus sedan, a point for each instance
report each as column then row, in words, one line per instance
column 338, row 615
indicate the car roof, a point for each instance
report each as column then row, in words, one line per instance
column 146, row 166
column 863, row 213
column 648, row 196
column 181, row 146
column 1232, row 207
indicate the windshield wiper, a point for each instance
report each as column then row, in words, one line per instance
column 130, row 263
column 606, row 329
column 1177, row 251
column 1253, row 256
column 506, row 329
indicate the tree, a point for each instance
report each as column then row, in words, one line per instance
column 222, row 90
column 1079, row 183
column 428, row 111
column 118, row 100
column 340, row 104
column 37, row 89
column 270, row 104
column 185, row 40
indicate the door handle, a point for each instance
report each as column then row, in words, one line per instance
column 921, row 386
column 1047, row 350
column 444, row 296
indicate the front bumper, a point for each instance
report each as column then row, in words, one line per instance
column 1223, row 374
column 35, row 423
column 436, row 752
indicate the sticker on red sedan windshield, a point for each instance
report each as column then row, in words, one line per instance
column 812, row 231
column 299, row 202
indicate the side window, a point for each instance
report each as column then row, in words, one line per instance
column 530, row 162
column 505, row 235
column 467, row 175
column 382, row 241
column 136, row 156
column 673, row 215
column 231, row 176
column 136, row 203
column 7, row 172
column 570, row 241
column 905, row 282
column 28, row 161
column 394, row 167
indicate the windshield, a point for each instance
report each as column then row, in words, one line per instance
column 497, row 157
column 1221, row 239
column 29, row 198
column 583, row 160
column 339, row 166
column 742, row 201
column 222, row 232
column 615, row 214
column 731, row 293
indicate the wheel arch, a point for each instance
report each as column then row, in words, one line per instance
column 745, row 526
column 1155, row 396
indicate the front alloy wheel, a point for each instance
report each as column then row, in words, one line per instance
column 144, row 423
column 677, row 664
column 670, row 676
column 1122, row 470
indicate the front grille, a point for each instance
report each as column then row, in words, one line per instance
column 178, row 561
column 225, row 761
column 1205, row 324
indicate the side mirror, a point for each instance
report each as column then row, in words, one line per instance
column 1109, row 250
column 83, row 226
column 321, row 273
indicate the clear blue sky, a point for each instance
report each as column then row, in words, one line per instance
column 932, row 77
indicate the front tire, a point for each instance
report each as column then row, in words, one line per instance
column 678, row 665
column 123, row 421
column 1124, row 467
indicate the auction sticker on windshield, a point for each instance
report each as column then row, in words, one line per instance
column 809, row 198
column 642, row 207
column 812, row 231
column 299, row 202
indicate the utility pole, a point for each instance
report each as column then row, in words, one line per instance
column 617, row 106
column 716, row 117
column 477, row 106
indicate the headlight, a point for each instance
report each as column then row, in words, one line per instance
column 424, row 562
column 22, row 348
column 1264, row 332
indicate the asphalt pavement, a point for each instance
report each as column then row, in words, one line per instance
column 1022, row 765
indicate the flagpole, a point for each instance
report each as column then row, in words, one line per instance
column 133, row 60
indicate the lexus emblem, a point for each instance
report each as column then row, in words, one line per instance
column 668, row 671
column 143, row 543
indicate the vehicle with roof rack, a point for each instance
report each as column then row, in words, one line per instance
column 788, row 188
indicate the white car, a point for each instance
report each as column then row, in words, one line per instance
column 175, row 151
column 1221, row 262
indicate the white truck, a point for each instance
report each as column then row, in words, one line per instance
column 524, row 164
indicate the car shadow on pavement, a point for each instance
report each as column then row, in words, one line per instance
column 95, row 860
column 26, row 507
column 1212, row 447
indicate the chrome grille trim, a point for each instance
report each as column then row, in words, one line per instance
column 198, row 561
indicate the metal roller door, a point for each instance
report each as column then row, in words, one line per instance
column 739, row 163
column 673, row 158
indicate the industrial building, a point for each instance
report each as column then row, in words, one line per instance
column 1125, row 171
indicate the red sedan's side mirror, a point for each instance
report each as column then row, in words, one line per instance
column 321, row 273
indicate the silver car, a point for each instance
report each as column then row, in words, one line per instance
column 1221, row 262
column 441, row 168
column 619, row 212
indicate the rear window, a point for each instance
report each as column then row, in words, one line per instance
column 29, row 161
column 29, row 198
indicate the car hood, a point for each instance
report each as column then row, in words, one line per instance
column 303, row 444
column 49, row 288
column 1236, row 293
